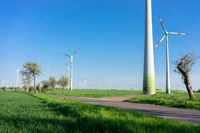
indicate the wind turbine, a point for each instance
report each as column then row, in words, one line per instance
column 149, row 70
column 68, row 75
column 85, row 84
column 17, row 78
column 71, row 57
column 3, row 83
column 166, row 36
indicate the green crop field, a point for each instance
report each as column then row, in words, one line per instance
column 178, row 99
column 23, row 113
column 95, row 93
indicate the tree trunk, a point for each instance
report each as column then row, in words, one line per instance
column 189, row 88
column 26, row 89
column 63, row 90
column 34, row 83
column 53, row 90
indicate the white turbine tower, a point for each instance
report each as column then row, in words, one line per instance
column 85, row 83
column 149, row 72
column 71, row 57
column 17, row 78
column 68, row 75
column 166, row 36
column 3, row 83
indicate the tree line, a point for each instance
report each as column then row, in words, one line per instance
column 29, row 74
column 31, row 71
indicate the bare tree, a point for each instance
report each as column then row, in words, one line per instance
column 184, row 66
column 32, row 69
column 63, row 82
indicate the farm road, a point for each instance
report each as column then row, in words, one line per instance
column 191, row 116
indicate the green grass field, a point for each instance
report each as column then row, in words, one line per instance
column 95, row 93
column 23, row 113
column 177, row 99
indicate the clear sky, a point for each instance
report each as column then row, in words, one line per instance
column 108, row 33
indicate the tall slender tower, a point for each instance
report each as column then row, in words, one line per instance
column 168, row 85
column 71, row 72
column 149, row 72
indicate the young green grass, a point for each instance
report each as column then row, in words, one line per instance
column 178, row 99
column 95, row 93
column 20, row 112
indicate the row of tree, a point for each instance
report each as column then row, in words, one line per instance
column 31, row 71
column 52, row 83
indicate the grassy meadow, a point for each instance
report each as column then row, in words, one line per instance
column 178, row 99
column 24, row 113
column 94, row 93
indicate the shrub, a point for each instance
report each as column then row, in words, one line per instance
column 44, row 88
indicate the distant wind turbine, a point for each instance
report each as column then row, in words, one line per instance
column 71, row 57
column 68, row 75
column 17, row 73
column 3, row 83
column 166, row 36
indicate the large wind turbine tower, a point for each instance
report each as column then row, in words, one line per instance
column 166, row 36
column 149, row 72
column 71, row 59
column 17, row 80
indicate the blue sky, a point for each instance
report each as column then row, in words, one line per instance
column 108, row 33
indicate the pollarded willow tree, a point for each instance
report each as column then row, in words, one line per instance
column 33, row 70
column 184, row 67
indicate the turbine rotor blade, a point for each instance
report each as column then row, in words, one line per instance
column 163, row 25
column 67, row 55
column 74, row 52
column 177, row 33
column 160, row 41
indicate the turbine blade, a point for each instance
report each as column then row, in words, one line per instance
column 74, row 52
column 163, row 25
column 160, row 41
column 67, row 55
column 177, row 33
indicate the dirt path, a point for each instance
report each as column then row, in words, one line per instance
column 191, row 116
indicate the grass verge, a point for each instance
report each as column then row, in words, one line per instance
column 178, row 99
